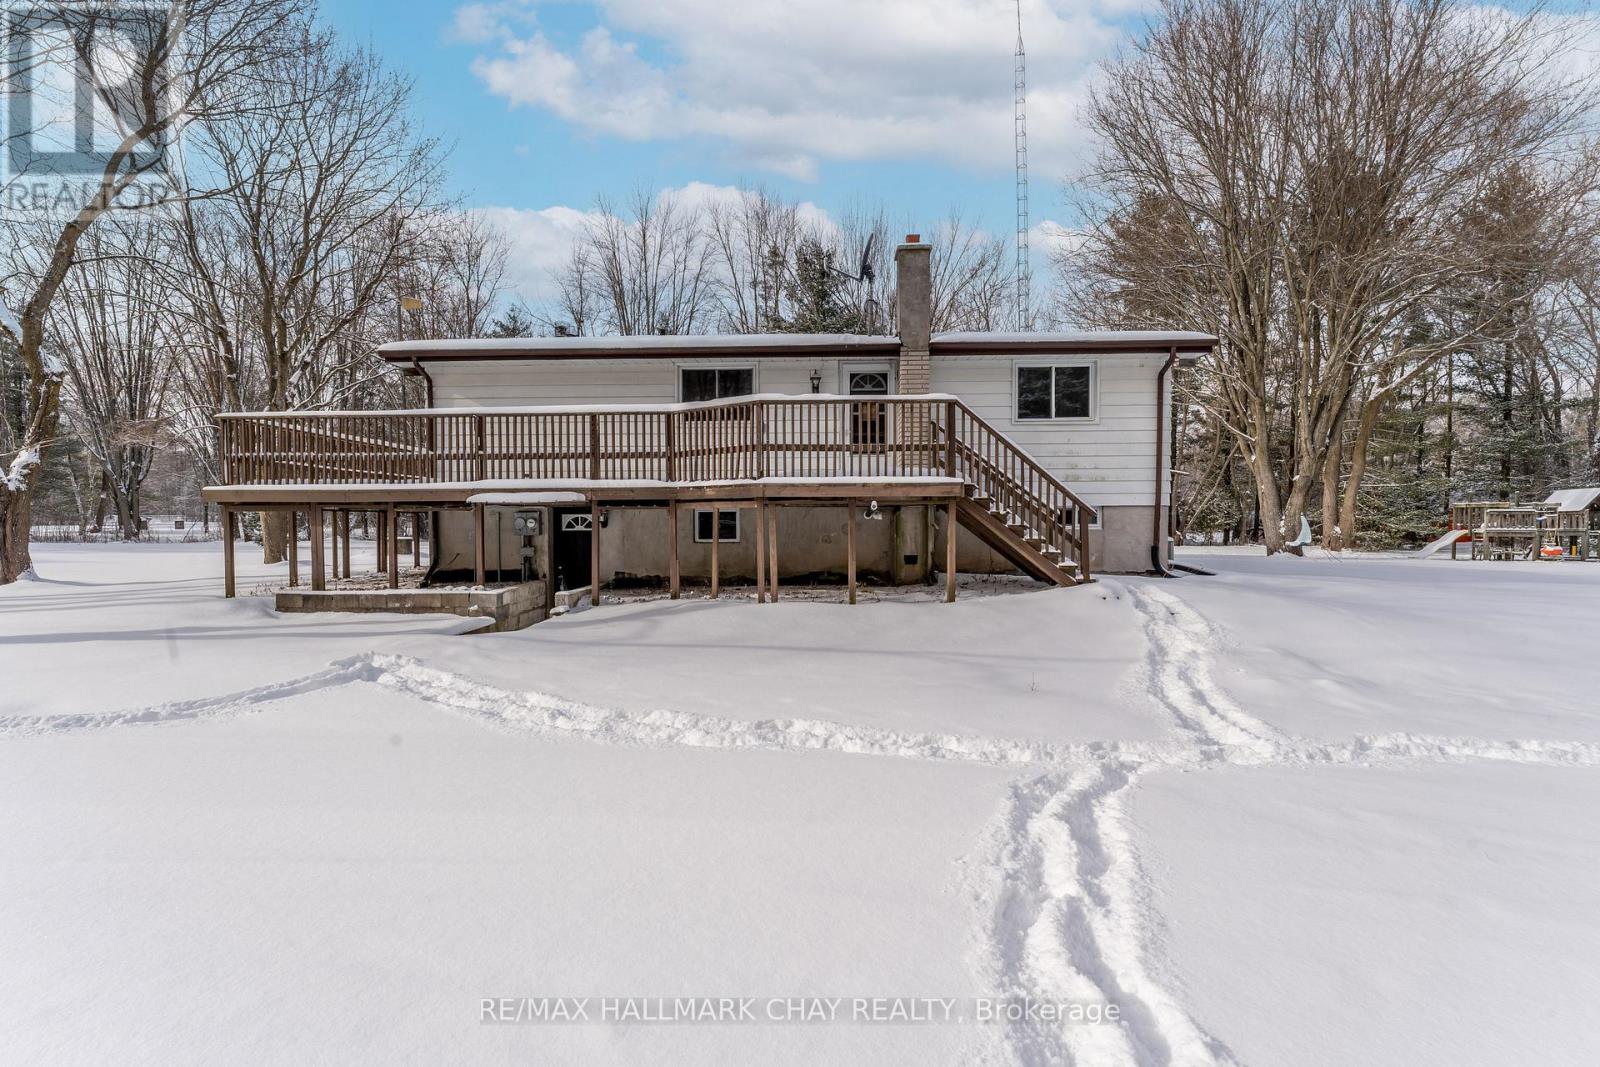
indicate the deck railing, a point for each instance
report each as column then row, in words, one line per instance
column 810, row 438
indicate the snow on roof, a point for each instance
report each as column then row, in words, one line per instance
column 578, row 409
column 1574, row 499
column 493, row 347
column 1077, row 337
column 521, row 499
column 779, row 343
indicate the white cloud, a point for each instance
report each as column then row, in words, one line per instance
column 540, row 240
column 785, row 85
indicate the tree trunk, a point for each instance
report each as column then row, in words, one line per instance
column 16, row 515
column 1332, row 529
column 1269, row 509
column 274, row 536
column 100, row 502
column 127, row 520
column 1358, row 465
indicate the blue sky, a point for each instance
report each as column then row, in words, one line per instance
column 842, row 103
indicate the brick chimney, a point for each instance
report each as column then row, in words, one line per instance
column 913, row 279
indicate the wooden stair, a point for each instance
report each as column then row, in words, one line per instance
column 1025, row 550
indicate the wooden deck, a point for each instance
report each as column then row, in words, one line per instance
column 759, row 452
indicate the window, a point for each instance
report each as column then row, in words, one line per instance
column 1069, row 518
column 715, row 383
column 1065, row 391
column 727, row 525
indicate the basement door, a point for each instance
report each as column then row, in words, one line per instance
column 573, row 531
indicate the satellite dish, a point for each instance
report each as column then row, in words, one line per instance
column 866, row 273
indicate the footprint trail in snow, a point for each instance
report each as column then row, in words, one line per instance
column 1068, row 912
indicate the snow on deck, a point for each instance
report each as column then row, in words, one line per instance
column 1298, row 812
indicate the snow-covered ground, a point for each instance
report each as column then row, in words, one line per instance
column 1319, row 811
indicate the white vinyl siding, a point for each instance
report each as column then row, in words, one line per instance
column 521, row 383
column 1109, row 460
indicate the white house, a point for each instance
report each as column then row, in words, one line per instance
column 775, row 456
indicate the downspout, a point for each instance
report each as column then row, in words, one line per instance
column 433, row 516
column 1157, row 527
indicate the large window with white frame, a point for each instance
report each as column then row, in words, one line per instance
column 1056, row 391
column 727, row 525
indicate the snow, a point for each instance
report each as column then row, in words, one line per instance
column 620, row 406
column 1574, row 499
column 16, row 477
column 643, row 345
column 1156, row 338
column 646, row 343
column 527, row 499
column 8, row 321
column 1318, row 811
column 1382, row 915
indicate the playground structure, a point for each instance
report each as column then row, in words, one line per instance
column 1564, row 526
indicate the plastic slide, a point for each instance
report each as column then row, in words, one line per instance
column 1444, row 542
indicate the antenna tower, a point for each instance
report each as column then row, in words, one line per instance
column 1020, row 134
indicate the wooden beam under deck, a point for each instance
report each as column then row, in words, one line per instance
column 456, row 494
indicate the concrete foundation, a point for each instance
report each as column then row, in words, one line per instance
column 902, row 547
column 511, row 607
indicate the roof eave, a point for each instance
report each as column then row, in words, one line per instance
column 1047, row 346
column 444, row 351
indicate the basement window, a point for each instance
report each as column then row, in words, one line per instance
column 727, row 526
column 1055, row 391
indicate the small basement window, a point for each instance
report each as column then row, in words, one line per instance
column 727, row 526
column 1060, row 391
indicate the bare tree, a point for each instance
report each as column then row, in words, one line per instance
column 115, row 322
column 755, row 239
column 653, row 265
column 456, row 269
column 971, row 277
column 328, row 193
column 1295, row 176
column 192, row 59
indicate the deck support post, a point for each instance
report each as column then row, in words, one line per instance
column 319, row 578
column 391, row 526
column 674, row 573
column 227, row 552
column 478, row 579
column 294, row 549
column 382, row 534
column 850, row 552
column 761, row 551
column 950, row 552
column 333, row 544
column 343, row 518
column 416, row 539
column 716, row 541
column 594, row 552
column 772, row 552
